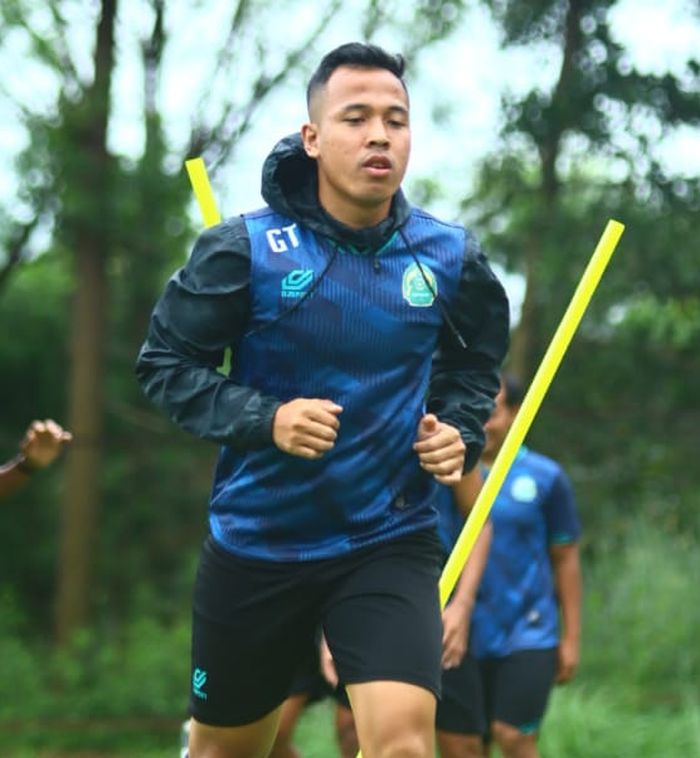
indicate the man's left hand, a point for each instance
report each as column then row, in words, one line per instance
column 567, row 663
column 455, row 635
column 440, row 449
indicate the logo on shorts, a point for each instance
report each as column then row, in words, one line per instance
column 297, row 282
column 199, row 679
column 419, row 289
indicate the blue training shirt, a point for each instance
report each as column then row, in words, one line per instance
column 364, row 338
column 516, row 606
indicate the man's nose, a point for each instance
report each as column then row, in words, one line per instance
column 377, row 134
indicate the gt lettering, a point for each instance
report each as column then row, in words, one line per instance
column 280, row 240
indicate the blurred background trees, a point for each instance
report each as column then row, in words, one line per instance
column 622, row 410
column 99, row 552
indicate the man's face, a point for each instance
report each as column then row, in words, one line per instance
column 498, row 425
column 361, row 140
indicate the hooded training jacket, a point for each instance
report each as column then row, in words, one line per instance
column 386, row 321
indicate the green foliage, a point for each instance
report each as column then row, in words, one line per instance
column 641, row 623
column 33, row 344
column 593, row 723
column 141, row 669
column 315, row 734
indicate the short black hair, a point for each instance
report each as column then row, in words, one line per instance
column 514, row 390
column 357, row 55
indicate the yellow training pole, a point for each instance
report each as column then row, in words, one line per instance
column 531, row 404
column 199, row 179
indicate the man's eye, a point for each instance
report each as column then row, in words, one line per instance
column 395, row 123
column 353, row 120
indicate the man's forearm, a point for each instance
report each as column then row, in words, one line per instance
column 470, row 578
column 465, row 494
column 567, row 575
column 201, row 400
column 12, row 476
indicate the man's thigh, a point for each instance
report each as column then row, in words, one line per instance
column 393, row 718
column 250, row 741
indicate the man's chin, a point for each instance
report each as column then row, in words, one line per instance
column 489, row 450
column 372, row 199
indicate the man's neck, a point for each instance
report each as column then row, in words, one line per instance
column 351, row 215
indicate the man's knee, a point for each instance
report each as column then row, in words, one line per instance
column 453, row 745
column 394, row 719
column 409, row 744
column 250, row 741
column 512, row 742
column 403, row 741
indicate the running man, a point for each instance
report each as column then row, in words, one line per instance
column 345, row 308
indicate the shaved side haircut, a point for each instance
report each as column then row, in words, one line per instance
column 355, row 55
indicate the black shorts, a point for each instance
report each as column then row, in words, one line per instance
column 513, row 689
column 253, row 620
column 462, row 709
column 517, row 687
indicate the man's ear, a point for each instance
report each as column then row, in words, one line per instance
column 309, row 136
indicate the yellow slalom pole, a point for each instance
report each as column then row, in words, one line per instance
column 531, row 404
column 199, row 179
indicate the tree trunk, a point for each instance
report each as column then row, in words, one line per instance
column 528, row 336
column 522, row 360
column 90, row 238
column 82, row 491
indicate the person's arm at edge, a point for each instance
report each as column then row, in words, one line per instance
column 464, row 382
column 13, row 475
column 38, row 449
column 465, row 494
column 566, row 566
column 462, row 601
column 203, row 310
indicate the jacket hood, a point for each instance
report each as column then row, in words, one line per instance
column 289, row 187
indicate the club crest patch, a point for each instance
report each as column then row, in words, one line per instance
column 414, row 288
column 524, row 489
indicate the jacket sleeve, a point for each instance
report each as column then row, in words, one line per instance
column 464, row 381
column 203, row 310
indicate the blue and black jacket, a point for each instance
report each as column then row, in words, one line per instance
column 383, row 321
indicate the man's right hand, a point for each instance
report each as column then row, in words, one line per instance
column 307, row 427
column 42, row 443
